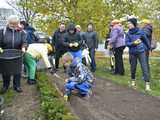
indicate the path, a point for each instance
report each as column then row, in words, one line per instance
column 113, row 102
column 25, row 105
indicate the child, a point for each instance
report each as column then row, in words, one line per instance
column 80, row 79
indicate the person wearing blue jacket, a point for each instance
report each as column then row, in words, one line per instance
column 138, row 43
column 80, row 79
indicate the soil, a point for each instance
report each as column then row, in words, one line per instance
column 111, row 101
column 25, row 105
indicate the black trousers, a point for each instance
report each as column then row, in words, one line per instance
column 119, row 66
column 7, row 79
column 58, row 55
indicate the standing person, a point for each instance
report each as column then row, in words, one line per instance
column 137, row 41
column 12, row 38
column 147, row 28
column 73, row 41
column 91, row 39
column 57, row 42
column 35, row 52
column 31, row 38
column 117, row 43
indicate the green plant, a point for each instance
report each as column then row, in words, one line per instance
column 52, row 106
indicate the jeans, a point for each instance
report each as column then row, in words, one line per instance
column 93, row 62
column 143, row 62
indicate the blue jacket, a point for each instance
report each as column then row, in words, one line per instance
column 134, row 34
column 31, row 38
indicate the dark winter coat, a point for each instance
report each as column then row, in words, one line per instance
column 12, row 39
column 58, row 39
column 72, row 38
column 133, row 35
column 91, row 39
column 148, row 31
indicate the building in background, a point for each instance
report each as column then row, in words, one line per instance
column 5, row 12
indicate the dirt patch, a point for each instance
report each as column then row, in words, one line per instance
column 25, row 105
column 113, row 102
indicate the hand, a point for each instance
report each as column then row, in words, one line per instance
column 110, row 47
column 70, row 45
column 1, row 50
column 50, row 70
column 66, row 80
column 136, row 42
column 76, row 44
column 23, row 49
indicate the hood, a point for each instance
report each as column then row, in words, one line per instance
column 71, row 26
column 134, row 30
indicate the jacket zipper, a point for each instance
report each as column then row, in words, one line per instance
column 13, row 40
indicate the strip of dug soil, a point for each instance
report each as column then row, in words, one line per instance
column 112, row 102
column 25, row 105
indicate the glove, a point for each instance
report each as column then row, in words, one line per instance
column 136, row 42
column 75, row 44
column 1, row 50
column 70, row 45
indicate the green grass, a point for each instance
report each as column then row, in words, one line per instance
column 52, row 105
column 102, row 72
column 8, row 96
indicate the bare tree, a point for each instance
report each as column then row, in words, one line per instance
column 21, row 7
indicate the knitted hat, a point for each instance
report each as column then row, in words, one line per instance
column 133, row 21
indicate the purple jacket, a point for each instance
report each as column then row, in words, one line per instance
column 117, row 37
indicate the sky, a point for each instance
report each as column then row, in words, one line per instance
column 3, row 4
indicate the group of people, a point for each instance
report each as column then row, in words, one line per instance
column 138, row 40
column 69, row 43
column 19, row 35
column 73, row 40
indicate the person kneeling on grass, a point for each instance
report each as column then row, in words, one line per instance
column 35, row 52
column 80, row 79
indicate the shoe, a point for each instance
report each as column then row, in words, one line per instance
column 31, row 82
column 65, row 97
column 18, row 89
column 147, row 87
column 133, row 84
column 3, row 90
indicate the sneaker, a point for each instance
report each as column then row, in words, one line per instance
column 31, row 82
column 65, row 97
column 133, row 84
column 147, row 87
column 18, row 89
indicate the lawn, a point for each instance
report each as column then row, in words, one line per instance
column 103, row 72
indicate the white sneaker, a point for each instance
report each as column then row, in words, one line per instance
column 133, row 83
column 65, row 97
column 148, row 88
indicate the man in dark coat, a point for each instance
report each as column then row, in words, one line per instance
column 73, row 42
column 57, row 41
column 91, row 40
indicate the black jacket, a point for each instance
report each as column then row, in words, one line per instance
column 58, row 39
column 12, row 39
column 91, row 39
column 148, row 31
column 72, row 38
